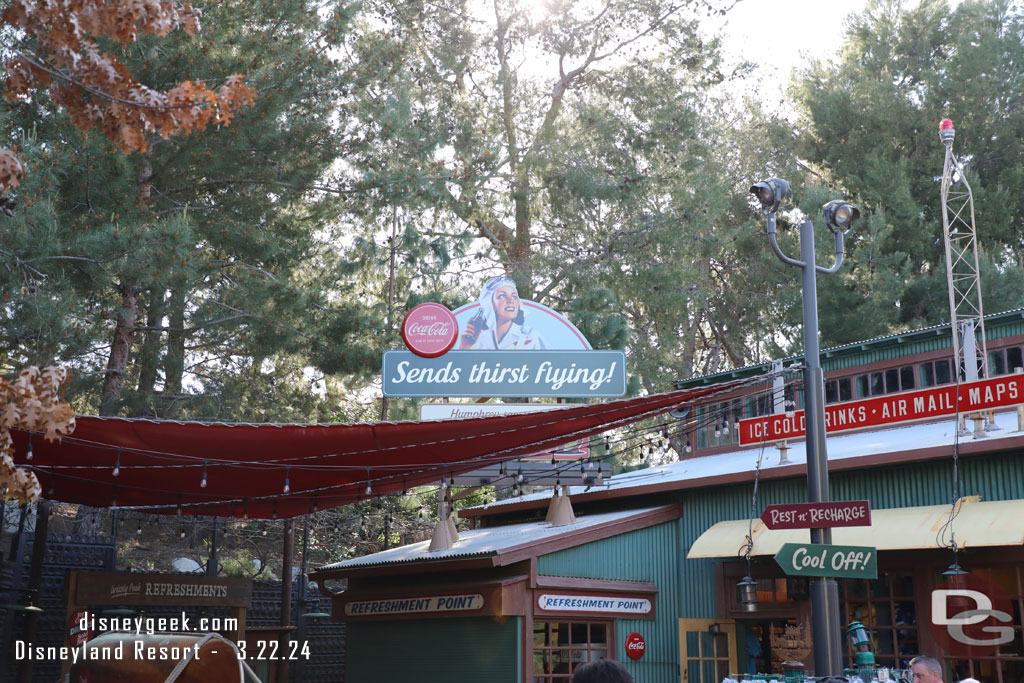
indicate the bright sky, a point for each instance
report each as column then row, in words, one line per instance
column 778, row 34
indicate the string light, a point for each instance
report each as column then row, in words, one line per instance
column 369, row 489
column 28, row 451
column 202, row 484
column 117, row 463
column 287, row 484
column 553, row 463
column 138, row 529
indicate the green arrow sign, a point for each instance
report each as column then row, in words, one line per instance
column 846, row 561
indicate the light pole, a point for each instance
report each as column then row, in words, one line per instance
column 838, row 215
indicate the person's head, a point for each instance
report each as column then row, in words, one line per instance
column 601, row 671
column 926, row 669
column 506, row 303
column 499, row 301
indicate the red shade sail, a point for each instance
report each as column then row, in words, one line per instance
column 247, row 468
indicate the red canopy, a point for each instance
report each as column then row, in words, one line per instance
column 263, row 470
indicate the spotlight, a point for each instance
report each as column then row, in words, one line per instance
column 770, row 193
column 839, row 215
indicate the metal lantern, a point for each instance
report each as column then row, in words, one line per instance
column 746, row 594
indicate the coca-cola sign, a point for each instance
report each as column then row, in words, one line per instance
column 429, row 330
column 635, row 646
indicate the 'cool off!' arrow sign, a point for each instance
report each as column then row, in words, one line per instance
column 846, row 561
column 817, row 515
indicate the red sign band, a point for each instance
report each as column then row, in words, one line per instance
column 987, row 394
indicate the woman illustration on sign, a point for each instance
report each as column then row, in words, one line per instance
column 499, row 323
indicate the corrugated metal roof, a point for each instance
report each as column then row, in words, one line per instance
column 483, row 542
column 840, row 447
column 899, row 338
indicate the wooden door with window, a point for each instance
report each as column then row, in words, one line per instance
column 707, row 650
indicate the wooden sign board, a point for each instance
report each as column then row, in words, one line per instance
column 120, row 588
column 817, row 515
column 814, row 559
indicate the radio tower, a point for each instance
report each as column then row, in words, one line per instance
column 966, row 313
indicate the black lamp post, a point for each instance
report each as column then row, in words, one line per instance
column 839, row 215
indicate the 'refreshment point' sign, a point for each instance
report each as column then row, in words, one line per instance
column 429, row 330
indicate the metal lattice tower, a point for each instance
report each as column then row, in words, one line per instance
column 962, row 274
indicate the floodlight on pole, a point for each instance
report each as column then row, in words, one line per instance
column 839, row 216
column 771, row 193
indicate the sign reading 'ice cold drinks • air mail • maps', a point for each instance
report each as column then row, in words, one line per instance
column 508, row 347
column 987, row 394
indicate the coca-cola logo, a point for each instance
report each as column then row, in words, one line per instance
column 429, row 330
column 635, row 646
column 435, row 329
column 80, row 628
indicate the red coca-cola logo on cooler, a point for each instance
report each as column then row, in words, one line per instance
column 635, row 646
column 76, row 633
column 429, row 330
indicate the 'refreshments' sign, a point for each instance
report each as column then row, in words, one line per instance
column 429, row 330
column 890, row 409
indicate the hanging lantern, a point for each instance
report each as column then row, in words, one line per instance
column 954, row 570
column 746, row 594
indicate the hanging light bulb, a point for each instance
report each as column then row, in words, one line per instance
column 519, row 474
column 117, row 463
column 49, row 491
column 287, row 482
column 369, row 489
column 202, row 484
column 718, row 430
column 583, row 470
column 600, row 474
column 28, row 451
column 590, row 462
column 138, row 529
column 182, row 534
column 553, row 463
column 687, row 447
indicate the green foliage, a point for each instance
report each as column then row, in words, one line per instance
column 871, row 125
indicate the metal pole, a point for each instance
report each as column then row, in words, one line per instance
column 212, row 565
column 286, row 600
column 824, row 592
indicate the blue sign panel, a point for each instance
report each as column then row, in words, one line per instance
column 520, row 374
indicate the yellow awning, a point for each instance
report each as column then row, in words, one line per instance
column 977, row 524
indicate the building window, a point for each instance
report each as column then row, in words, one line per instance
column 560, row 646
column 837, row 390
column 1003, row 361
column 936, row 373
column 886, row 607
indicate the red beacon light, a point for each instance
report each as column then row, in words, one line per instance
column 946, row 124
